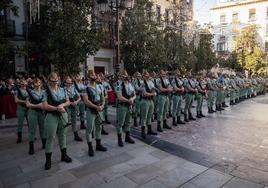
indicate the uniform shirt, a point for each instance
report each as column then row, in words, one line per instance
column 165, row 81
column 37, row 96
column 81, row 88
column 130, row 90
column 106, row 86
column 72, row 93
column 189, row 84
column 174, row 84
column 58, row 96
column 23, row 92
column 201, row 84
column 138, row 84
column 97, row 93
column 150, row 86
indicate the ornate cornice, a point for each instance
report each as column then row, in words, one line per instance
column 238, row 4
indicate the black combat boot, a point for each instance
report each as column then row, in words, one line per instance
column 143, row 135
column 48, row 161
column 231, row 102
column 179, row 121
column 90, row 149
column 155, row 116
column 77, row 138
column 220, row 106
column 82, row 125
column 198, row 115
column 120, row 142
column 103, row 132
column 150, row 131
column 224, row 105
column 165, row 125
column 174, row 123
column 31, row 148
column 159, row 128
column 106, row 120
column 191, row 117
column 99, row 146
column 19, row 140
column 186, row 118
column 128, row 138
column 201, row 114
column 65, row 157
column 209, row 110
column 44, row 143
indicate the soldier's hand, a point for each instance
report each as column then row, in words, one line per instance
column 61, row 109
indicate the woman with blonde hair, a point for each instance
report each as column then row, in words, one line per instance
column 56, row 118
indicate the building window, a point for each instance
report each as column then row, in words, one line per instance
column 158, row 13
column 266, row 12
column 221, row 46
column 222, row 18
column 235, row 17
column 252, row 14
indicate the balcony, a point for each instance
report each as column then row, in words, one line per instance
column 222, row 38
column 10, row 28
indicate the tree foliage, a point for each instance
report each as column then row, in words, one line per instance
column 66, row 34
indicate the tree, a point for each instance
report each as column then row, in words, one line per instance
column 66, row 34
column 250, row 56
column 141, row 39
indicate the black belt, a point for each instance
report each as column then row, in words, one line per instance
column 124, row 104
column 164, row 94
column 177, row 94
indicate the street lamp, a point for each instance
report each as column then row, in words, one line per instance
column 117, row 8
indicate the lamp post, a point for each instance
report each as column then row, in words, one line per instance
column 117, row 8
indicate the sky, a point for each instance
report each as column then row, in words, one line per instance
column 201, row 10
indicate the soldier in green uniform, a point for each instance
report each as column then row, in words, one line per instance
column 154, row 80
column 56, row 119
column 211, row 84
column 233, row 90
column 178, row 89
column 74, row 98
column 219, row 93
column 202, row 92
column 20, row 98
column 126, row 95
column 80, row 87
column 107, row 88
column 138, row 82
column 190, row 89
column 147, row 103
column 105, row 95
column 94, row 101
column 36, row 114
column 164, row 89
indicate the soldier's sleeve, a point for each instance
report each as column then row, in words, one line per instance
column 65, row 93
column 44, row 96
column 84, row 92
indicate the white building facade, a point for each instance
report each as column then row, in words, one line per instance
column 228, row 17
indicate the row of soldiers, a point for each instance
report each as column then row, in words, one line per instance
column 53, row 106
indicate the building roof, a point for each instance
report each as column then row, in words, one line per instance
column 237, row 4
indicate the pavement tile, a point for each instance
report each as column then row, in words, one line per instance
column 211, row 179
column 176, row 177
column 142, row 161
column 189, row 185
column 193, row 167
column 123, row 182
column 115, row 171
column 169, row 163
column 13, row 171
column 53, row 180
column 251, row 174
column 159, row 154
column 99, row 165
column 153, row 184
column 91, row 180
column 145, row 174
column 25, row 185
column 240, row 183
column 145, row 150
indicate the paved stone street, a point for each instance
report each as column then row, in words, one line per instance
column 224, row 150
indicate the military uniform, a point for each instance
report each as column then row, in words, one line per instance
column 22, row 95
column 125, row 110
column 80, row 87
column 163, row 104
column 74, row 96
column 137, row 107
column 201, row 87
column 55, row 124
column 189, row 84
column 36, row 118
column 107, row 88
column 147, row 109
column 177, row 83
column 94, row 118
